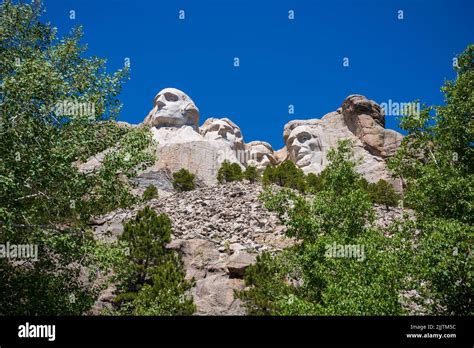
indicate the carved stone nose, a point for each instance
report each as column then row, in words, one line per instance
column 160, row 104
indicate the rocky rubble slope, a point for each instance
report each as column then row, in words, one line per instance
column 219, row 231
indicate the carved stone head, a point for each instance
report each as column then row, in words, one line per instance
column 260, row 154
column 305, row 145
column 173, row 108
column 225, row 130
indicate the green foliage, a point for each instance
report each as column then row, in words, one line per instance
column 383, row 193
column 167, row 295
column 310, row 278
column 41, row 189
column 287, row 174
column 436, row 157
column 251, row 173
column 183, row 180
column 315, row 183
column 340, row 175
column 269, row 275
column 444, row 260
column 50, row 285
column 150, row 277
column 229, row 172
column 150, row 192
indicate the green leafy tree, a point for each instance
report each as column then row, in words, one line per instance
column 251, row 173
column 229, row 172
column 444, row 264
column 436, row 157
column 183, row 180
column 57, row 108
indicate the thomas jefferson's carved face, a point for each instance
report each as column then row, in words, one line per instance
column 223, row 129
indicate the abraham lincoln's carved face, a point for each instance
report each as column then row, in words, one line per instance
column 305, row 147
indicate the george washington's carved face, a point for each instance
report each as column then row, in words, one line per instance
column 305, row 147
column 173, row 108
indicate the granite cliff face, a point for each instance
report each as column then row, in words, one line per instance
column 219, row 230
column 174, row 123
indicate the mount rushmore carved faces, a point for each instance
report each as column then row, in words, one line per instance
column 173, row 108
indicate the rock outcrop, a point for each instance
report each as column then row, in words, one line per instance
column 218, row 231
column 307, row 142
column 360, row 121
column 174, row 121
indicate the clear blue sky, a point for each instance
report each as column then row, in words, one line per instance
column 282, row 62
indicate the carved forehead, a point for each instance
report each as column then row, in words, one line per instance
column 260, row 146
column 313, row 131
column 290, row 126
column 173, row 91
column 212, row 123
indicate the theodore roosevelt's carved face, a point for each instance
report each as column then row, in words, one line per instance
column 173, row 108
column 260, row 154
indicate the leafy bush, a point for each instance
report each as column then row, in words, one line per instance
column 151, row 278
column 229, row 172
column 150, row 192
column 251, row 173
column 183, row 180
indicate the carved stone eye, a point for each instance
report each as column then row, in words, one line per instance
column 171, row 97
column 304, row 137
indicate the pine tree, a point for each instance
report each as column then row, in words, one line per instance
column 229, row 172
column 151, row 278
column 150, row 193
column 183, row 180
column 251, row 173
